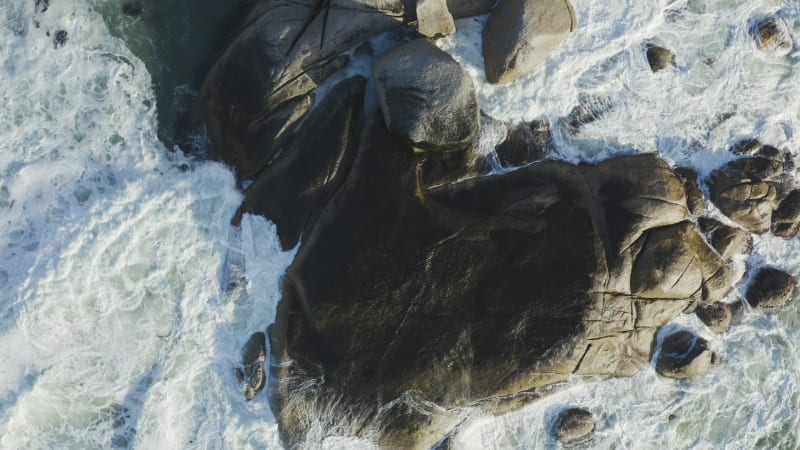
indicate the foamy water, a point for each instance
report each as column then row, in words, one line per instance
column 125, row 295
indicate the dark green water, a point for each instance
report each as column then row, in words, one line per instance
column 178, row 41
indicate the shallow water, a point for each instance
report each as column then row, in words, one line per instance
column 125, row 295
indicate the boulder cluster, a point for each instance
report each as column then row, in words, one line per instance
column 446, row 265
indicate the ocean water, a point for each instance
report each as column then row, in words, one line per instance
column 126, row 296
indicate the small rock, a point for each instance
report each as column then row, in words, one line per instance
column 589, row 109
column 253, row 357
column 770, row 288
column 660, row 58
column 727, row 241
column 683, row 355
column 695, row 200
column 426, row 97
column 786, row 219
column 717, row 316
column 521, row 34
column 41, row 6
column 772, row 36
column 745, row 146
column 60, row 39
column 434, row 18
column 574, row 425
column 526, row 143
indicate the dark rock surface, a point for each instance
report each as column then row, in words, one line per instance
column 252, row 374
column 786, row 218
column 717, row 316
column 770, row 288
column 521, row 34
column 469, row 8
column 659, row 58
column 283, row 51
column 683, row 355
column 726, row 240
column 574, row 425
column 525, row 143
column 408, row 294
column 426, row 97
column 298, row 184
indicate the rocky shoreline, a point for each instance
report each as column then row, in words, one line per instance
column 448, row 267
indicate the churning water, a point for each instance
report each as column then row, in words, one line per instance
column 125, row 295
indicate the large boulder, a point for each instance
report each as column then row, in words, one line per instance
column 434, row 19
column 426, row 97
column 284, row 50
column 521, row 34
column 771, row 288
column 408, row 301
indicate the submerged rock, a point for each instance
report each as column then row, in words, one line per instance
column 659, row 58
column 773, row 37
column 770, row 288
column 521, row 34
column 434, row 19
column 574, row 425
column 683, row 355
column 426, row 97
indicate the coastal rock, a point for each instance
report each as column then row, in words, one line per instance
column 434, row 19
column 659, row 58
column 521, row 34
column 253, row 356
column 770, row 288
column 747, row 190
column 747, row 146
column 298, row 184
column 726, row 240
column 469, row 8
column 526, row 142
column 426, row 97
column 413, row 294
column 683, row 355
column 772, row 36
column 284, row 49
column 717, row 316
column 786, row 218
column 574, row 425
column 695, row 199
column 588, row 110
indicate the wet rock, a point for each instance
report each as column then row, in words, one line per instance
column 60, row 39
column 299, row 183
column 695, row 199
column 574, row 425
column 746, row 147
column 252, row 374
column 786, row 218
column 773, row 37
column 588, row 110
column 717, row 316
column 768, row 151
column 426, row 97
column 659, row 58
column 526, row 142
column 283, row 50
column 521, row 34
column 726, row 240
column 469, row 8
column 747, row 190
column 770, row 288
column 683, row 355
column 434, row 19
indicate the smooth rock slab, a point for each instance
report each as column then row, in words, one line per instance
column 521, row 34
column 770, row 288
column 426, row 97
